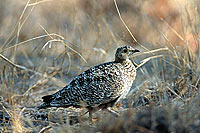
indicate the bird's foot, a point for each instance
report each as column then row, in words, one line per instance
column 113, row 112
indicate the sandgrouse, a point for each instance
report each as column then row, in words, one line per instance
column 99, row 87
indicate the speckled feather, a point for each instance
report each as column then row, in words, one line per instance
column 96, row 86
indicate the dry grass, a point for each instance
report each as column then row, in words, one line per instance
column 44, row 44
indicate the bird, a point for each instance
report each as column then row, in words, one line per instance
column 99, row 87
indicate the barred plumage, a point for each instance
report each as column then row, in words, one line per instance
column 98, row 87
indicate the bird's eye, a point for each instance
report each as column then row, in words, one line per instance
column 125, row 50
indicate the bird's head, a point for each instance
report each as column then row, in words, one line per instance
column 124, row 53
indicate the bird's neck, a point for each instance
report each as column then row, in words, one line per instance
column 122, row 61
column 127, row 62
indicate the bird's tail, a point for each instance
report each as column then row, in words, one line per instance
column 47, row 100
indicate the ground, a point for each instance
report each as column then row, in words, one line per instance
column 45, row 44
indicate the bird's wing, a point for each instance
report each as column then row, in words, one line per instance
column 98, row 85
column 101, row 84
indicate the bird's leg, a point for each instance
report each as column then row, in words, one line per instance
column 112, row 111
column 84, row 113
column 90, row 116
column 92, row 110
column 81, row 116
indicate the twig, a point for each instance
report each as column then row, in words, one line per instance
column 127, row 26
column 36, row 3
column 30, row 70
column 175, row 93
column 16, row 65
column 5, row 109
column 34, row 38
column 152, row 51
column 63, row 41
column 17, row 24
column 124, row 22
column 173, row 30
column 147, row 59
column 44, row 129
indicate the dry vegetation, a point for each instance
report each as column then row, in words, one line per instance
column 44, row 44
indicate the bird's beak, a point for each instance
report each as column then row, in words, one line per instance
column 136, row 50
column 132, row 51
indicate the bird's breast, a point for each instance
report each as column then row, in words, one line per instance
column 129, row 71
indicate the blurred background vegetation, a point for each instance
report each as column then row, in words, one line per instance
column 45, row 43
